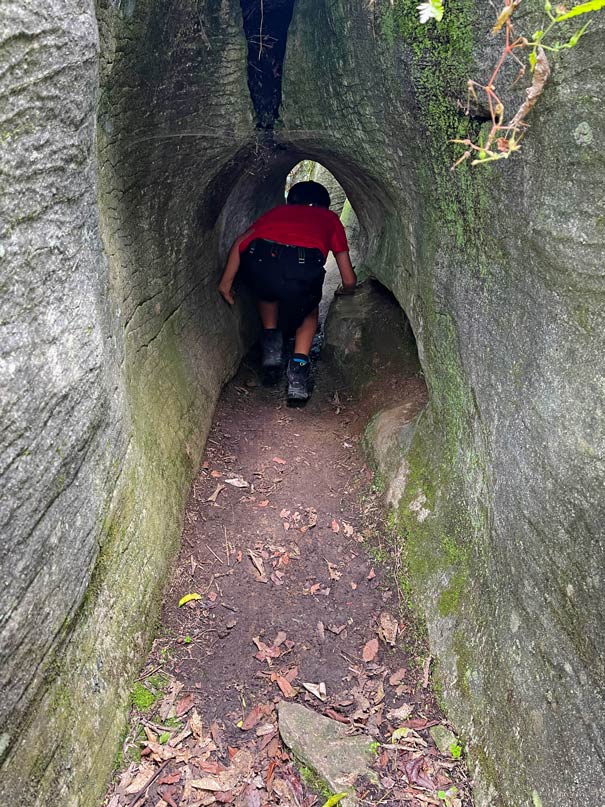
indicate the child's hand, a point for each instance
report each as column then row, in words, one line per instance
column 343, row 291
column 226, row 293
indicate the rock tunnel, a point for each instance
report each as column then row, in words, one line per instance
column 138, row 139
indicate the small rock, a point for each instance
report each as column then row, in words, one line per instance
column 325, row 746
column 443, row 738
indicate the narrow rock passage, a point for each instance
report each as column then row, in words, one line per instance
column 284, row 545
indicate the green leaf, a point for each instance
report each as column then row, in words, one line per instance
column 164, row 737
column 456, row 750
column 537, row 36
column 399, row 734
column 583, row 8
column 532, row 61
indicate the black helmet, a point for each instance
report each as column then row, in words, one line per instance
column 308, row 193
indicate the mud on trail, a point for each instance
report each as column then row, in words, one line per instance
column 283, row 543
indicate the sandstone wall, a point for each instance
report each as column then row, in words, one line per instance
column 115, row 346
column 501, row 274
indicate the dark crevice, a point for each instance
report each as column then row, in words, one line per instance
column 266, row 24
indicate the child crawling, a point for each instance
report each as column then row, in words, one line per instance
column 281, row 257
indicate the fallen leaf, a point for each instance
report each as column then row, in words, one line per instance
column 389, row 628
column 189, row 597
column 291, row 674
column 215, row 474
column 347, row 529
column 264, row 503
column 207, row 783
column 217, row 490
column 285, row 686
column 212, row 595
column 184, row 705
column 279, row 461
column 401, row 713
column 250, row 797
column 264, row 651
column 195, row 724
column 397, row 677
column 319, row 690
column 333, row 571
column 252, row 718
column 146, row 771
column 237, row 482
column 170, row 778
column 370, row 650
column 335, row 525
column 372, row 574
column 259, row 565
column 336, row 629
column 416, row 776
column 167, row 704
column 280, row 638
column 210, row 766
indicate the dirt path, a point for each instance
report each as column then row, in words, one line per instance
column 283, row 543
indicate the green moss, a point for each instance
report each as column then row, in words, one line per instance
column 463, row 664
column 442, row 63
column 314, row 782
column 141, row 697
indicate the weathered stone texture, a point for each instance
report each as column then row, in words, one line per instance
column 501, row 275
column 112, row 357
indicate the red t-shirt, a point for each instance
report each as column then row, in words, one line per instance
column 300, row 226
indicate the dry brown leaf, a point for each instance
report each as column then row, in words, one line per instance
column 371, row 574
column 257, row 562
column 285, row 686
column 347, row 529
column 252, row 718
column 279, row 461
column 370, row 650
column 333, row 571
column 280, row 638
column 184, row 705
column 195, row 724
column 397, row 677
column 388, row 628
column 207, row 783
column 401, row 713
column 167, row 704
column 146, row 771
column 335, row 525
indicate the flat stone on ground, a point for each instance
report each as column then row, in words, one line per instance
column 443, row 738
column 323, row 744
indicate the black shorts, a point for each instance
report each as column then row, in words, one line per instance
column 292, row 276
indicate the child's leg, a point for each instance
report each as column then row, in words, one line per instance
column 268, row 313
column 272, row 341
column 305, row 333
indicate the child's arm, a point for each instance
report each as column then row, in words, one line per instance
column 231, row 269
column 347, row 273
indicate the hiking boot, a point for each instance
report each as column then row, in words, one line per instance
column 272, row 344
column 299, row 377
